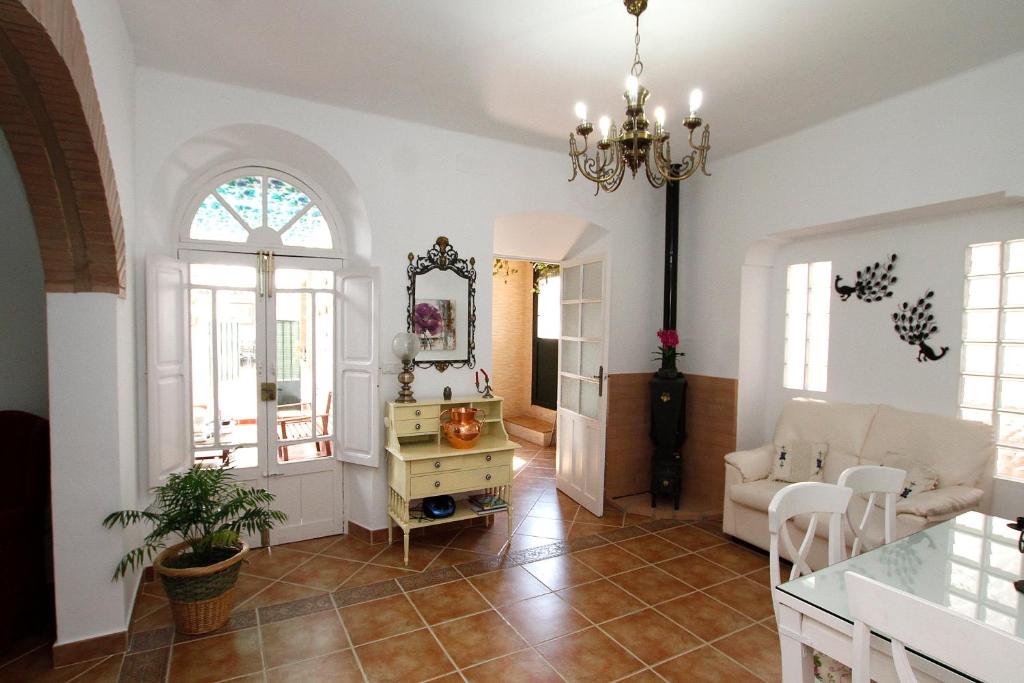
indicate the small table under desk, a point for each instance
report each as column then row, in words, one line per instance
column 968, row 563
column 422, row 463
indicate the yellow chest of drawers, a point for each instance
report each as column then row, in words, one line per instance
column 421, row 463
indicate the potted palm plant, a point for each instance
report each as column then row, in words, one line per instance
column 207, row 512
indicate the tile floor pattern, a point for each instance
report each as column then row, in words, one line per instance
column 577, row 598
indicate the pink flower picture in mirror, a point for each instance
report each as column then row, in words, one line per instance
column 434, row 324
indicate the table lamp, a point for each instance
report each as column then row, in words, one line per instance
column 405, row 345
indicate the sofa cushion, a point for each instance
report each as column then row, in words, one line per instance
column 798, row 460
column 906, row 524
column 919, row 476
column 837, row 462
column 960, row 451
column 841, row 425
column 756, row 494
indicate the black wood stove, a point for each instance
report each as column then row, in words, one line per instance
column 668, row 386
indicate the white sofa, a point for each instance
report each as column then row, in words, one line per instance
column 963, row 453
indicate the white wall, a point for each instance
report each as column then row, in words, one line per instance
column 414, row 182
column 22, row 298
column 868, row 363
column 87, row 474
column 92, row 382
column 956, row 138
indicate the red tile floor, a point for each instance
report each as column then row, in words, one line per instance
column 576, row 598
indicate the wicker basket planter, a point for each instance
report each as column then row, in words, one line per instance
column 201, row 597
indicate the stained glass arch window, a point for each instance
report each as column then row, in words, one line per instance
column 261, row 207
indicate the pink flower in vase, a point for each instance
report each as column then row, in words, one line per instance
column 667, row 352
column 669, row 338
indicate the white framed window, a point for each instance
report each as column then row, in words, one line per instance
column 992, row 355
column 808, row 299
column 255, row 208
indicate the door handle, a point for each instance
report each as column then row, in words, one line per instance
column 600, row 380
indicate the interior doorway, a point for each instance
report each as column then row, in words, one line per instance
column 526, row 325
column 26, row 534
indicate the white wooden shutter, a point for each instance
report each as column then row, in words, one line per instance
column 358, row 415
column 167, row 367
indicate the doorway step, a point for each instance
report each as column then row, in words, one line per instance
column 531, row 429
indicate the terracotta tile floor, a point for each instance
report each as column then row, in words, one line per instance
column 575, row 598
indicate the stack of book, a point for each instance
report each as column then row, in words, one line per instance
column 485, row 503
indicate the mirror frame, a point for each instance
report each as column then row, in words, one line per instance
column 442, row 256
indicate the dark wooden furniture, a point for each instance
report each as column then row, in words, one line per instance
column 26, row 541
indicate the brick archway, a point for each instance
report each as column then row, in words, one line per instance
column 50, row 114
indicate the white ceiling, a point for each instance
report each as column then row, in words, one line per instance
column 513, row 69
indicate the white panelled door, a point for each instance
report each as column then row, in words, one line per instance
column 267, row 366
column 582, row 405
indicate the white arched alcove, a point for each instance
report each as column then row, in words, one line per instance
column 922, row 236
column 196, row 162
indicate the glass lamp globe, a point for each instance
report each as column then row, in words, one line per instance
column 405, row 346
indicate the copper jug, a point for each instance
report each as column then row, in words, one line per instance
column 462, row 429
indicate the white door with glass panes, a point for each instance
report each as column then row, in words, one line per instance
column 262, row 346
column 262, row 354
column 582, row 403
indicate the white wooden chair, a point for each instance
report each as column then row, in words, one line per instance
column 874, row 480
column 969, row 646
column 807, row 497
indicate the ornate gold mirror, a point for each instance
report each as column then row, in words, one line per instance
column 442, row 307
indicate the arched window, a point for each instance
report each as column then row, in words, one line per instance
column 262, row 208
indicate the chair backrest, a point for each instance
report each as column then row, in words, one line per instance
column 808, row 497
column 874, row 480
column 969, row 646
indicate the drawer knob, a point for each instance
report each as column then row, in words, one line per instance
column 487, row 458
column 437, row 464
column 418, row 412
column 417, row 425
column 437, row 484
column 488, row 477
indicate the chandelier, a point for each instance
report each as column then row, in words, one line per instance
column 634, row 144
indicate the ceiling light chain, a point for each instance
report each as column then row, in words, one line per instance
column 636, row 54
column 634, row 144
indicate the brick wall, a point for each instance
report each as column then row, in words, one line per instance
column 50, row 114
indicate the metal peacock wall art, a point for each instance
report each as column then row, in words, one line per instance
column 916, row 325
column 872, row 283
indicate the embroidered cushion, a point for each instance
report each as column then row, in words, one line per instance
column 920, row 476
column 796, row 460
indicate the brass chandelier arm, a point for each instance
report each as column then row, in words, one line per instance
column 689, row 164
column 654, row 175
column 604, row 167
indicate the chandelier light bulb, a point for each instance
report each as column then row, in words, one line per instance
column 659, row 116
column 581, row 112
column 696, row 99
column 632, row 87
column 604, row 124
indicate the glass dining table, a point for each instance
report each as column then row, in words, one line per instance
column 967, row 564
